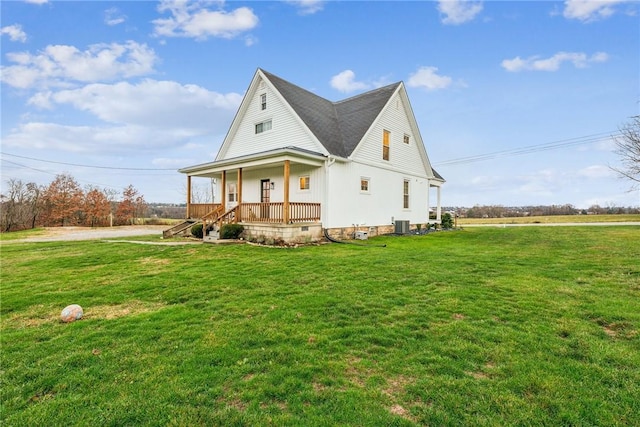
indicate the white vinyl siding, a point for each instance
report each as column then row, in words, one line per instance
column 384, row 201
column 401, row 155
column 287, row 130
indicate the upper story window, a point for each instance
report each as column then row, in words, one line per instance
column 406, row 138
column 263, row 127
column 304, row 182
column 385, row 144
column 263, row 101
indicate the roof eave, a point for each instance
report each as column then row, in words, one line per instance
column 266, row 157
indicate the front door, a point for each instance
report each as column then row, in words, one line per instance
column 265, row 197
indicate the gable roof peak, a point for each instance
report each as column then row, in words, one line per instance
column 339, row 126
column 380, row 89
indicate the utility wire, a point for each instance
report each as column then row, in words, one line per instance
column 55, row 174
column 461, row 160
column 531, row 149
column 88, row 166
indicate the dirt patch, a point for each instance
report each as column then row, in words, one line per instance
column 39, row 315
column 155, row 261
column 121, row 310
column 401, row 412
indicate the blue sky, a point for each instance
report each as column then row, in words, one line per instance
column 516, row 101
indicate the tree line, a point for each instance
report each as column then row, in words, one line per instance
column 498, row 211
column 63, row 202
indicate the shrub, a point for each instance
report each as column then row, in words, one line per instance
column 447, row 221
column 231, row 231
column 196, row 231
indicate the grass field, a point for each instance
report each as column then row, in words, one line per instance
column 551, row 219
column 483, row 326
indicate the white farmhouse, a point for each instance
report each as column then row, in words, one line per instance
column 294, row 165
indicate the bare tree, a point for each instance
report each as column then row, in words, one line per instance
column 34, row 197
column 12, row 201
column 20, row 205
column 628, row 147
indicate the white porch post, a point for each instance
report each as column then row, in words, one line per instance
column 285, row 210
column 428, row 204
column 188, row 196
column 239, row 196
column 439, row 208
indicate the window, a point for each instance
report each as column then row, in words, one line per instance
column 304, row 182
column 405, row 191
column 385, row 144
column 263, row 101
column 232, row 190
column 263, row 127
column 364, row 185
column 406, row 138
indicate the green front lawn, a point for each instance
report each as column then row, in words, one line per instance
column 495, row 326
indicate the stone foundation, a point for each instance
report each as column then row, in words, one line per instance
column 348, row 233
column 290, row 233
column 308, row 232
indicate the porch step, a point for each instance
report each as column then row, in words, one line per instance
column 179, row 228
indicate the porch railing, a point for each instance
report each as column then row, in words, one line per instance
column 259, row 212
column 304, row 212
column 200, row 210
column 274, row 212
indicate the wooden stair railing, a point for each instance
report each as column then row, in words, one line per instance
column 229, row 216
column 211, row 217
column 178, row 228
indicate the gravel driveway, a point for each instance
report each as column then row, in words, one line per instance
column 57, row 234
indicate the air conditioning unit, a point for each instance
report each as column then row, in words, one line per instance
column 361, row 235
column 402, row 227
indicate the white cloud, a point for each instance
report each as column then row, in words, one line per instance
column 152, row 104
column 113, row 16
column 540, row 183
column 134, row 117
column 428, row 78
column 535, row 63
column 89, row 139
column 307, row 7
column 196, row 21
column 596, row 171
column 590, row 10
column 37, row 1
column 14, row 32
column 345, row 82
column 172, row 162
column 457, row 12
column 59, row 65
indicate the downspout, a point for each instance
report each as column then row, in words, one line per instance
column 188, row 196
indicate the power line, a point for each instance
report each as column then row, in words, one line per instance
column 88, row 166
column 55, row 174
column 531, row 149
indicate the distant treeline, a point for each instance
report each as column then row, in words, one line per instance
column 25, row 205
column 497, row 211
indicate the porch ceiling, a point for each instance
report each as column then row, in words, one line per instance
column 256, row 161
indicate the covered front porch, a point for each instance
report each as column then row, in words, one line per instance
column 259, row 191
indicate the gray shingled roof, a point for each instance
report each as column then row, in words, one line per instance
column 341, row 125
